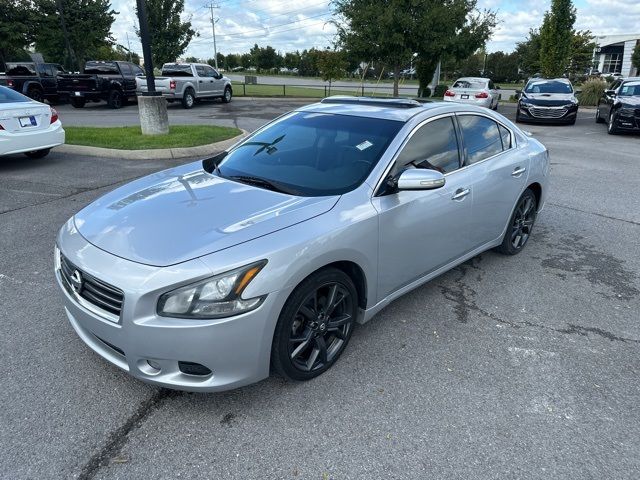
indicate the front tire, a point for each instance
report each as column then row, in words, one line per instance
column 315, row 325
column 612, row 127
column 226, row 97
column 115, row 99
column 38, row 153
column 78, row 102
column 520, row 224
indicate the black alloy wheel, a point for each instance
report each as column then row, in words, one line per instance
column 612, row 126
column 115, row 99
column 315, row 325
column 521, row 224
column 599, row 118
column 35, row 94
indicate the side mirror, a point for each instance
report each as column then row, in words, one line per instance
column 420, row 179
column 611, row 93
column 518, row 92
column 577, row 92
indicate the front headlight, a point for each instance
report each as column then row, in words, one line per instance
column 214, row 297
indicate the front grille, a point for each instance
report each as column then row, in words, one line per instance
column 94, row 291
column 548, row 112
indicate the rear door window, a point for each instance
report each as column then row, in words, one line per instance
column 482, row 139
column 21, row 69
column 201, row 71
column 433, row 146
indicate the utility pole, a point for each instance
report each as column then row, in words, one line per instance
column 72, row 56
column 129, row 45
column 213, row 28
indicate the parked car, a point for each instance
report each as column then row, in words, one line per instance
column 619, row 106
column 190, row 82
column 37, row 81
column 330, row 213
column 473, row 90
column 27, row 126
column 113, row 82
column 547, row 100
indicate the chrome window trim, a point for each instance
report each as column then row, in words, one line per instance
column 514, row 145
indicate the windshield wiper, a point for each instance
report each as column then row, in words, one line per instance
column 261, row 182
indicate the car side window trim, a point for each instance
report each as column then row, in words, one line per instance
column 377, row 191
column 511, row 133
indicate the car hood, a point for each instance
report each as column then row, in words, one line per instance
column 629, row 101
column 183, row 213
column 549, row 99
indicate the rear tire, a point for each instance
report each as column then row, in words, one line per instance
column 34, row 93
column 520, row 224
column 599, row 119
column 315, row 325
column 78, row 102
column 115, row 99
column 188, row 99
column 38, row 153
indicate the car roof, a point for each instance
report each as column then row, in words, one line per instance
column 482, row 79
column 631, row 79
column 542, row 79
column 398, row 109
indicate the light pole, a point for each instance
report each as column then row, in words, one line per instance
column 152, row 107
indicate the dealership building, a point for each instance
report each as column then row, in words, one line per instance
column 613, row 54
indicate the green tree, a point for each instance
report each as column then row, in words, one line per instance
column 391, row 31
column 265, row 58
column 116, row 52
column 332, row 65
column 556, row 36
column 502, row 67
column 291, row 60
column 635, row 56
column 581, row 54
column 87, row 30
column 193, row 60
column 528, row 54
column 170, row 36
column 16, row 29
column 309, row 60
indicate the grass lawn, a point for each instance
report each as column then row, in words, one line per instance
column 304, row 92
column 131, row 138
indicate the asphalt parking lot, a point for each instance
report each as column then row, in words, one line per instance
column 505, row 367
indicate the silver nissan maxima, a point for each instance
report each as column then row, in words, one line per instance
column 208, row 276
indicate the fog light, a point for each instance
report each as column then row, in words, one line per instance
column 153, row 364
column 149, row 367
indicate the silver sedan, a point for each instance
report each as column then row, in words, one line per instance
column 208, row 276
column 475, row 91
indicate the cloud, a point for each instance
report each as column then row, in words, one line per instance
column 288, row 26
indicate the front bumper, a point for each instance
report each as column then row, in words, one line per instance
column 29, row 141
column 151, row 348
column 537, row 114
column 628, row 121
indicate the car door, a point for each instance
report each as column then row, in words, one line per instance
column 217, row 84
column 493, row 92
column 422, row 230
column 498, row 171
column 205, row 84
column 129, row 79
column 47, row 80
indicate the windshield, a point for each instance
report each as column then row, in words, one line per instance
column 101, row 68
column 176, row 70
column 548, row 86
column 630, row 89
column 9, row 96
column 475, row 84
column 311, row 154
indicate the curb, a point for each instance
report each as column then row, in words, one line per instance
column 153, row 154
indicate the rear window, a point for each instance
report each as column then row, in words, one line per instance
column 469, row 84
column 21, row 70
column 176, row 70
column 9, row 96
column 101, row 68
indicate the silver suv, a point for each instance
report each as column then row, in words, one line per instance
column 205, row 276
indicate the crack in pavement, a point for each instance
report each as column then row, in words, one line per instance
column 117, row 439
column 632, row 222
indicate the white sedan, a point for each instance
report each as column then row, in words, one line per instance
column 27, row 126
column 477, row 91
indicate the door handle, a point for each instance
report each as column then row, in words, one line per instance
column 518, row 171
column 199, row 81
column 461, row 193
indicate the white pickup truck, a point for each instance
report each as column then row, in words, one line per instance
column 189, row 82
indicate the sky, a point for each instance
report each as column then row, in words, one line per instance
column 295, row 25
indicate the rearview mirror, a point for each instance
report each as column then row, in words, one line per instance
column 420, row 179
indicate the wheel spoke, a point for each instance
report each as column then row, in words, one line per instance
column 516, row 242
column 321, row 345
column 338, row 321
column 307, row 313
column 312, row 359
column 299, row 349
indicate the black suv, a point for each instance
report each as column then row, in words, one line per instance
column 35, row 80
column 547, row 100
column 619, row 106
column 114, row 82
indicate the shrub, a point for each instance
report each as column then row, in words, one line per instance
column 592, row 90
column 439, row 90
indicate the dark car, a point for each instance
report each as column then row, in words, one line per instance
column 35, row 80
column 113, row 82
column 547, row 100
column 619, row 106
